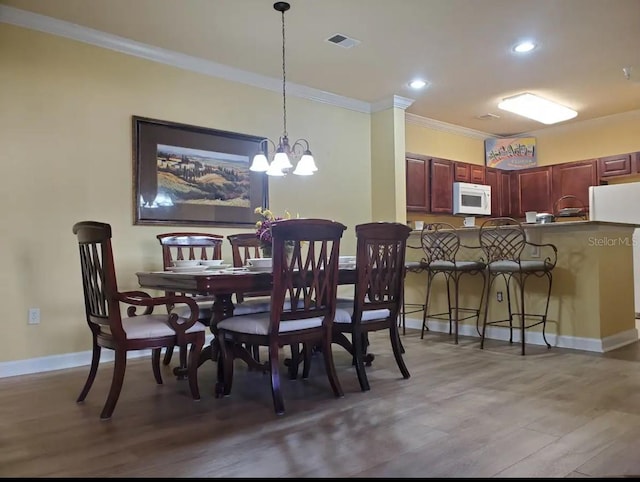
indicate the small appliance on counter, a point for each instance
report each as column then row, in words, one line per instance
column 545, row 218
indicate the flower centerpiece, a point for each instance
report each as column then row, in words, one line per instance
column 263, row 229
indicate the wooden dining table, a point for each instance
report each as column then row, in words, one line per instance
column 221, row 284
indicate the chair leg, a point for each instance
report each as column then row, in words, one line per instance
column 358, row 358
column 167, row 355
column 329, row 366
column 508, row 283
column 95, row 361
column 456, row 279
column 295, row 361
column 194, row 355
column 226, row 370
column 484, row 287
column 522, row 314
column 276, row 390
column 155, row 365
column 448, row 280
column 490, row 279
column 546, row 310
column 425, row 313
column 397, row 352
column 119, row 368
column 307, row 351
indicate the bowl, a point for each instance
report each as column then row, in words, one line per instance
column 184, row 263
column 259, row 262
column 211, row 262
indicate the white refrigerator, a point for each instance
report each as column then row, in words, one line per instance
column 620, row 203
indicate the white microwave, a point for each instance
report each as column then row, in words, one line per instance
column 471, row 198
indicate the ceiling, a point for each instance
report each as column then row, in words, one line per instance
column 462, row 47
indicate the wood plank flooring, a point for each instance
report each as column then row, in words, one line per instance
column 464, row 412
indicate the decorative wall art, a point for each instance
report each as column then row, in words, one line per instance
column 189, row 175
column 511, row 154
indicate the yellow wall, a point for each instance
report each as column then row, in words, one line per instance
column 446, row 145
column 65, row 137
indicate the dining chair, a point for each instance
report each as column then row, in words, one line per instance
column 442, row 256
column 245, row 246
column 309, row 279
column 377, row 302
column 508, row 254
column 137, row 331
column 189, row 246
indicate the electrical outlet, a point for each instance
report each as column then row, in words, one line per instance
column 499, row 296
column 34, row 316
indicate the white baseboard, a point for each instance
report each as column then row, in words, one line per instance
column 66, row 360
column 535, row 337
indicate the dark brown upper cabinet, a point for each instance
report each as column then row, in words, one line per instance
column 417, row 174
column 619, row 165
column 465, row 172
column 574, row 179
column 441, row 186
column 500, row 182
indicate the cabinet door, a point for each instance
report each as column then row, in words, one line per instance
column 615, row 165
column 476, row 174
column 505, row 207
column 461, row 172
column 574, row 178
column 417, row 174
column 441, row 186
column 491, row 179
column 533, row 191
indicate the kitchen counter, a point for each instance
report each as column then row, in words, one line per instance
column 592, row 297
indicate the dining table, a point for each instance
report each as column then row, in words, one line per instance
column 220, row 284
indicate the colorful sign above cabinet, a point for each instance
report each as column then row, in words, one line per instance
column 511, row 154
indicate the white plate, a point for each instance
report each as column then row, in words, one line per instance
column 260, row 269
column 218, row 266
column 187, row 269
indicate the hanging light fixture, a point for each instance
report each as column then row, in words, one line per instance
column 284, row 152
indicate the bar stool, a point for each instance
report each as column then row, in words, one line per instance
column 504, row 241
column 441, row 243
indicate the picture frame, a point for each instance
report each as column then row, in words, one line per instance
column 511, row 153
column 185, row 175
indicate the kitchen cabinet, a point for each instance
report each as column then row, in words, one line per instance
column 441, row 186
column 574, row 178
column 418, row 183
column 619, row 165
column 465, row 172
column 501, row 197
column 532, row 191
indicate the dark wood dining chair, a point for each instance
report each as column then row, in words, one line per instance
column 136, row 331
column 245, row 246
column 308, row 279
column 380, row 267
column 189, row 246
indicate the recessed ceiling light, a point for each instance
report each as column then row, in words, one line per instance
column 523, row 47
column 537, row 108
column 417, row 84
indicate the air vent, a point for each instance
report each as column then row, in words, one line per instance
column 343, row 41
column 488, row 116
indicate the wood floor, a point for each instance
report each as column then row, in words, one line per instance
column 463, row 413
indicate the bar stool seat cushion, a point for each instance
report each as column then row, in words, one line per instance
column 506, row 266
column 456, row 265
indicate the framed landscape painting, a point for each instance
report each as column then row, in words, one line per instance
column 189, row 175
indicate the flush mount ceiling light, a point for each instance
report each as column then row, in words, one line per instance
column 537, row 108
column 283, row 152
column 417, row 84
column 524, row 47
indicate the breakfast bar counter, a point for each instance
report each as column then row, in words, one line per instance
column 592, row 298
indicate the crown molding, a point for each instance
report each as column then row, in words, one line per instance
column 61, row 28
column 443, row 126
column 396, row 101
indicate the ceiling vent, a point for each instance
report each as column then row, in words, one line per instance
column 343, row 41
column 488, row 116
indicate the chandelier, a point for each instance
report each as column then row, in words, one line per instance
column 284, row 152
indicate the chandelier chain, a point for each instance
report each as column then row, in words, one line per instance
column 284, row 82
